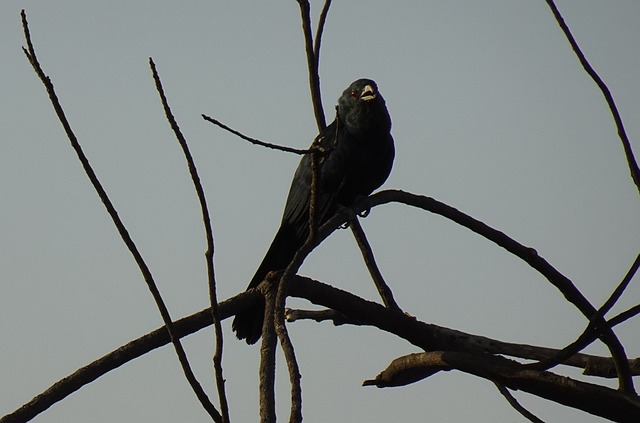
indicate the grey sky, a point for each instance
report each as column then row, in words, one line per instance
column 492, row 114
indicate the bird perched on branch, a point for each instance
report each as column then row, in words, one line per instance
column 358, row 159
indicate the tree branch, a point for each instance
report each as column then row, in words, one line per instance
column 595, row 399
column 593, row 330
column 312, row 63
column 318, row 38
column 516, row 405
column 422, row 335
column 268, row 353
column 622, row 134
column 254, row 140
column 367, row 254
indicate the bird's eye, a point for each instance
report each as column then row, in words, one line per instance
column 354, row 94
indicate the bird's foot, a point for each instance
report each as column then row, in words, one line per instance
column 364, row 199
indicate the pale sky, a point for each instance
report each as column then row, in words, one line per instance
column 492, row 114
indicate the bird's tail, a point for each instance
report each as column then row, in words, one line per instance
column 248, row 324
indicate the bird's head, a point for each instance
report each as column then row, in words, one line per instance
column 361, row 107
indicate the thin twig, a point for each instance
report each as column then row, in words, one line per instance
column 122, row 230
column 312, row 65
column 593, row 330
column 617, row 293
column 206, row 220
column 318, row 38
column 370, row 261
column 624, row 316
column 515, row 404
column 254, row 140
column 631, row 160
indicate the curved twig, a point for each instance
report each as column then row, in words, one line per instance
column 254, row 140
column 516, row 405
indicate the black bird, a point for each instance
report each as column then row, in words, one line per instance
column 360, row 155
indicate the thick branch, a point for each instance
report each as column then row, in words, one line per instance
column 595, row 399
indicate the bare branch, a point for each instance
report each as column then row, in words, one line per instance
column 595, row 399
column 318, row 38
column 338, row 319
column 289, row 353
column 370, row 261
column 254, row 140
column 268, row 353
column 432, row 337
column 593, row 329
column 625, row 315
column 631, row 160
column 122, row 230
column 312, row 64
column 420, row 334
column 516, row 405
column 213, row 298
column 617, row 293
column 126, row 353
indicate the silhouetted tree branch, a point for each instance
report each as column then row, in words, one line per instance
column 595, row 399
column 622, row 133
column 422, row 335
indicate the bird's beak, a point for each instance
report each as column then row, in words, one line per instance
column 368, row 93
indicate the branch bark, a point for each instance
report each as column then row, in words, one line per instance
column 594, row 399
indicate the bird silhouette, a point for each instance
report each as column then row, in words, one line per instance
column 359, row 156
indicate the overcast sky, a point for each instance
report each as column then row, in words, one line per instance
column 492, row 114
